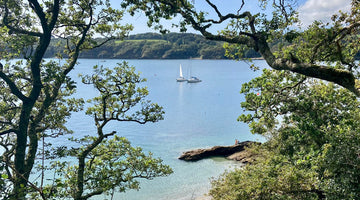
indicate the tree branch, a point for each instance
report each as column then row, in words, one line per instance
column 5, row 122
column 15, row 29
column 28, row 182
column 8, row 131
column 55, row 14
column 14, row 89
column 132, row 120
column 222, row 18
column 258, row 41
column 100, row 44
column 34, row 4
column 341, row 77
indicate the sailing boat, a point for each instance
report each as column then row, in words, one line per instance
column 193, row 79
column 181, row 77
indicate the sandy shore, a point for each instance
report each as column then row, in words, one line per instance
column 205, row 197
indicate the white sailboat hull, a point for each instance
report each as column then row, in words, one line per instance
column 193, row 80
column 181, row 77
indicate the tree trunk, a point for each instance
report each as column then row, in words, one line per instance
column 21, row 174
column 24, row 166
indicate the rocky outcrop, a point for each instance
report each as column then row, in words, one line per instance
column 243, row 157
column 234, row 152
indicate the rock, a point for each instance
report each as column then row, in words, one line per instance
column 225, row 151
column 245, row 157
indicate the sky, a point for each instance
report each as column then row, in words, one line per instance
column 309, row 10
column 321, row 9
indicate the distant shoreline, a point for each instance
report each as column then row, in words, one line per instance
column 257, row 58
column 153, row 46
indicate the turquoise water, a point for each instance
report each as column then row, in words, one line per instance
column 198, row 115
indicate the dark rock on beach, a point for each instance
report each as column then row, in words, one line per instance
column 234, row 152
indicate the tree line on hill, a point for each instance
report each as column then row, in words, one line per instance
column 161, row 46
column 155, row 46
column 306, row 106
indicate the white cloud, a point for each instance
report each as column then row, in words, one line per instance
column 321, row 10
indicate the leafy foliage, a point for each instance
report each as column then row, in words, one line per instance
column 113, row 165
column 323, row 51
column 35, row 99
column 312, row 126
column 313, row 141
column 106, row 162
column 119, row 95
column 104, row 165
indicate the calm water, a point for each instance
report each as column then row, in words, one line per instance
column 198, row 115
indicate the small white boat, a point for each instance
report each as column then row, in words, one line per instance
column 181, row 77
column 193, row 79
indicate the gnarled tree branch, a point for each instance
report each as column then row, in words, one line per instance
column 256, row 38
column 14, row 89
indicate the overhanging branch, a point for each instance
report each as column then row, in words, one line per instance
column 341, row 77
column 8, row 131
column 14, row 89
column 14, row 29
column 40, row 13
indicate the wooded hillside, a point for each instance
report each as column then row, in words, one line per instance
column 157, row 46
